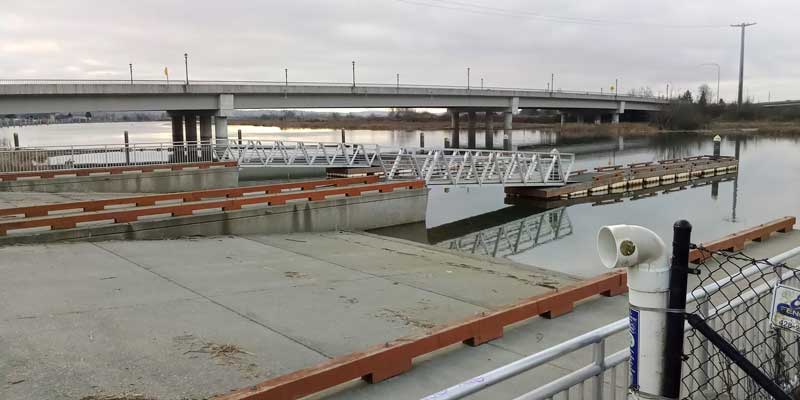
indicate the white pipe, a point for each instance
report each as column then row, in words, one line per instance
column 642, row 252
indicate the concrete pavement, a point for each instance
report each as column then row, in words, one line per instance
column 190, row 318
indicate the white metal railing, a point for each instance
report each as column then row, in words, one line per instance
column 437, row 166
column 478, row 167
column 515, row 237
column 30, row 159
column 594, row 373
column 360, row 85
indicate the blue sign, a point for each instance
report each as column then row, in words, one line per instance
column 634, row 362
column 785, row 312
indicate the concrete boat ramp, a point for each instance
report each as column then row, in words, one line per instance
column 196, row 317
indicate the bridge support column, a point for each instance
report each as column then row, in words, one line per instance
column 489, row 126
column 615, row 118
column 471, row 130
column 205, row 136
column 177, row 137
column 508, row 134
column 455, row 123
column 221, row 130
column 191, row 136
column 177, row 128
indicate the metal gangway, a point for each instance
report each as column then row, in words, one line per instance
column 514, row 237
column 436, row 166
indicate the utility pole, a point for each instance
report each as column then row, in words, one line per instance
column 468, row 68
column 741, row 62
column 130, row 66
column 481, row 83
column 552, row 82
column 616, row 87
column 354, row 74
column 398, row 81
column 718, row 71
column 186, row 66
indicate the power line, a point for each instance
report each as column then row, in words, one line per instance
column 473, row 8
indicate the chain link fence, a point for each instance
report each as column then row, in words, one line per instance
column 740, row 315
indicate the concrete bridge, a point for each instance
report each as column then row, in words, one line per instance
column 198, row 101
column 780, row 104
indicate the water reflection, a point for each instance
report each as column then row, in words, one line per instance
column 507, row 239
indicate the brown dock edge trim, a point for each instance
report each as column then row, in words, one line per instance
column 736, row 241
column 196, row 195
column 143, row 168
column 393, row 358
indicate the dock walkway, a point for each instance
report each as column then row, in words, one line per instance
column 191, row 318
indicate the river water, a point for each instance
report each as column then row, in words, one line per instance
column 767, row 186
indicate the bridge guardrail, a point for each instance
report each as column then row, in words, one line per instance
column 308, row 83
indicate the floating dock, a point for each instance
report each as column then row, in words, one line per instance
column 637, row 176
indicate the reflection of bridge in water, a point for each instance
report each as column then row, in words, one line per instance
column 516, row 236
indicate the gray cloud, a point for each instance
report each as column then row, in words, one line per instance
column 317, row 39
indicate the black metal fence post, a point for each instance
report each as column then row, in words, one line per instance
column 676, row 304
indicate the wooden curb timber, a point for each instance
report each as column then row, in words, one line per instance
column 393, row 358
column 736, row 241
column 186, row 209
column 52, row 173
column 149, row 200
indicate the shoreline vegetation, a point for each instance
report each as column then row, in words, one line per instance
column 569, row 129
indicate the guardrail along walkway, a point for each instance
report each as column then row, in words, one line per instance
column 436, row 166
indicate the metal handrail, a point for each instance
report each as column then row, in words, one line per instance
column 598, row 335
column 437, row 166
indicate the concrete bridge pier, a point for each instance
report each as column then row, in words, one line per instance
column 455, row 124
column 190, row 121
column 615, row 118
column 177, row 135
column 471, row 130
column 508, row 134
column 221, row 130
column 205, row 136
column 489, row 127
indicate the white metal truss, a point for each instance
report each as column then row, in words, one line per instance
column 515, row 237
column 436, row 166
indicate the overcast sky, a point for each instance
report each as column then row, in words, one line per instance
column 510, row 43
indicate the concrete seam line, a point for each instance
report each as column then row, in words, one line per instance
column 482, row 306
column 219, row 304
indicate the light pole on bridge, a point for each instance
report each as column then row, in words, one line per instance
column 468, row 69
column 354, row 74
column 552, row 82
column 186, row 66
column 130, row 67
